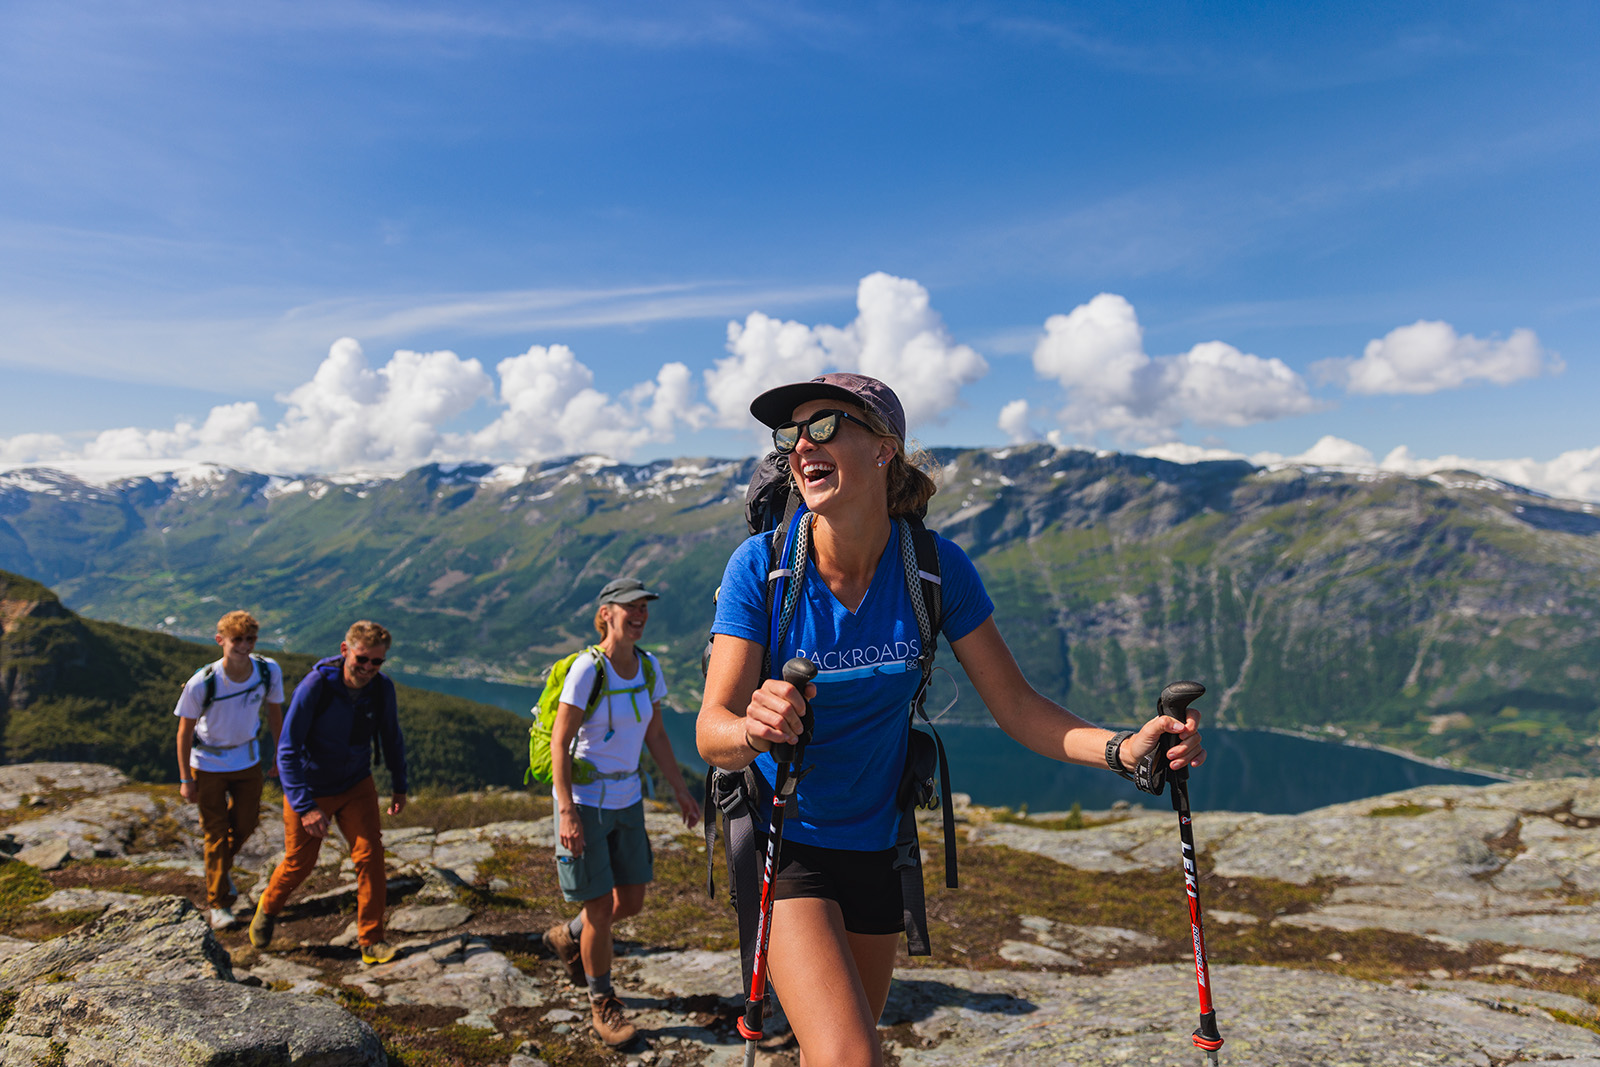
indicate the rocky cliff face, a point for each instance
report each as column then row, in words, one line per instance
column 1441, row 926
column 1452, row 616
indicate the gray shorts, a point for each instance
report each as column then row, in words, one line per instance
column 616, row 851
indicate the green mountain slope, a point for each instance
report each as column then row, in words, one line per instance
column 1451, row 616
column 75, row 689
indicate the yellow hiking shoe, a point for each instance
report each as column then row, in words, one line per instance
column 262, row 925
column 376, row 953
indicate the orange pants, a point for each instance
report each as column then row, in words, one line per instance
column 230, row 808
column 356, row 813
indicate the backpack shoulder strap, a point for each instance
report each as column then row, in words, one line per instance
column 919, row 554
column 324, row 696
column 263, row 671
column 786, row 573
column 599, row 660
column 927, row 552
column 647, row 664
column 923, row 587
column 209, row 696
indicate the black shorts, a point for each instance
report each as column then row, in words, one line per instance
column 865, row 885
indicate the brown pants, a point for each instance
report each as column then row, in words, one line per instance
column 356, row 813
column 230, row 808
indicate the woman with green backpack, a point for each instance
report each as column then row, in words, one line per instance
column 609, row 708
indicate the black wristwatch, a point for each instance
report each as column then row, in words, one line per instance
column 1114, row 753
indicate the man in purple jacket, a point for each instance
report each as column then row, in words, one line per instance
column 341, row 717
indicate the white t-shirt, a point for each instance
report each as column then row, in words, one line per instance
column 624, row 714
column 229, row 728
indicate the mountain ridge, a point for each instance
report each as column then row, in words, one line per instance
column 1451, row 616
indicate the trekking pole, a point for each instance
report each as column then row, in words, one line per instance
column 797, row 672
column 1175, row 700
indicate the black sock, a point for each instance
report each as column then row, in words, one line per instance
column 599, row 986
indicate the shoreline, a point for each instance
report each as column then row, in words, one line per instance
column 1301, row 734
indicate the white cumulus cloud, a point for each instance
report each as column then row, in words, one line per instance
column 31, row 448
column 1574, row 475
column 1096, row 352
column 896, row 336
column 1015, row 422
column 1427, row 357
column 552, row 408
column 352, row 416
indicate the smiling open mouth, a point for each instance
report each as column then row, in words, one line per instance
column 816, row 471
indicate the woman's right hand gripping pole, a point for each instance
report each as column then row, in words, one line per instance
column 775, row 714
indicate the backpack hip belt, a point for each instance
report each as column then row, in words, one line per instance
column 223, row 750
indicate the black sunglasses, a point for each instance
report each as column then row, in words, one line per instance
column 376, row 661
column 820, row 428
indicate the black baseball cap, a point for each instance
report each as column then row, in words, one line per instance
column 625, row 591
column 776, row 406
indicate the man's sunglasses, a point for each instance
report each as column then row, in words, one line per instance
column 819, row 428
column 376, row 661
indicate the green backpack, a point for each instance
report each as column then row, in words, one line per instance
column 544, row 713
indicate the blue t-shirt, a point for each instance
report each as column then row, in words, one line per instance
column 867, row 675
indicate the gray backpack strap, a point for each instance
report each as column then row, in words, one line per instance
column 209, row 696
column 908, row 861
column 920, row 560
column 737, row 794
column 793, row 578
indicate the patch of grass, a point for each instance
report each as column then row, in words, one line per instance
column 8, row 1004
column 59, row 922
column 1573, row 1020
column 1584, row 984
column 455, row 811
column 20, row 887
column 427, row 1035
column 677, row 913
column 1402, row 811
column 1000, row 885
column 1073, row 820
column 37, row 805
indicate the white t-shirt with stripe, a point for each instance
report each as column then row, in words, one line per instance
column 613, row 736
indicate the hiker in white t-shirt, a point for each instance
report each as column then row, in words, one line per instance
column 219, row 751
column 603, row 857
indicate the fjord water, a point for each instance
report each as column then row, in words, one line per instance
column 1245, row 770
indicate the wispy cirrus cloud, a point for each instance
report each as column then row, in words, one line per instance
column 192, row 345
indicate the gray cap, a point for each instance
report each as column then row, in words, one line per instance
column 776, row 406
column 625, row 591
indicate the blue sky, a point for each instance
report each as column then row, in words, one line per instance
column 219, row 223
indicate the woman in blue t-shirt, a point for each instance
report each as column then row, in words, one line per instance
column 837, row 917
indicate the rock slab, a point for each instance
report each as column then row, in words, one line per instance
column 194, row 1023
column 159, row 938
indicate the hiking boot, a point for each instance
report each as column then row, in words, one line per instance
column 559, row 939
column 262, row 925
column 222, row 919
column 376, row 953
column 611, row 1023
